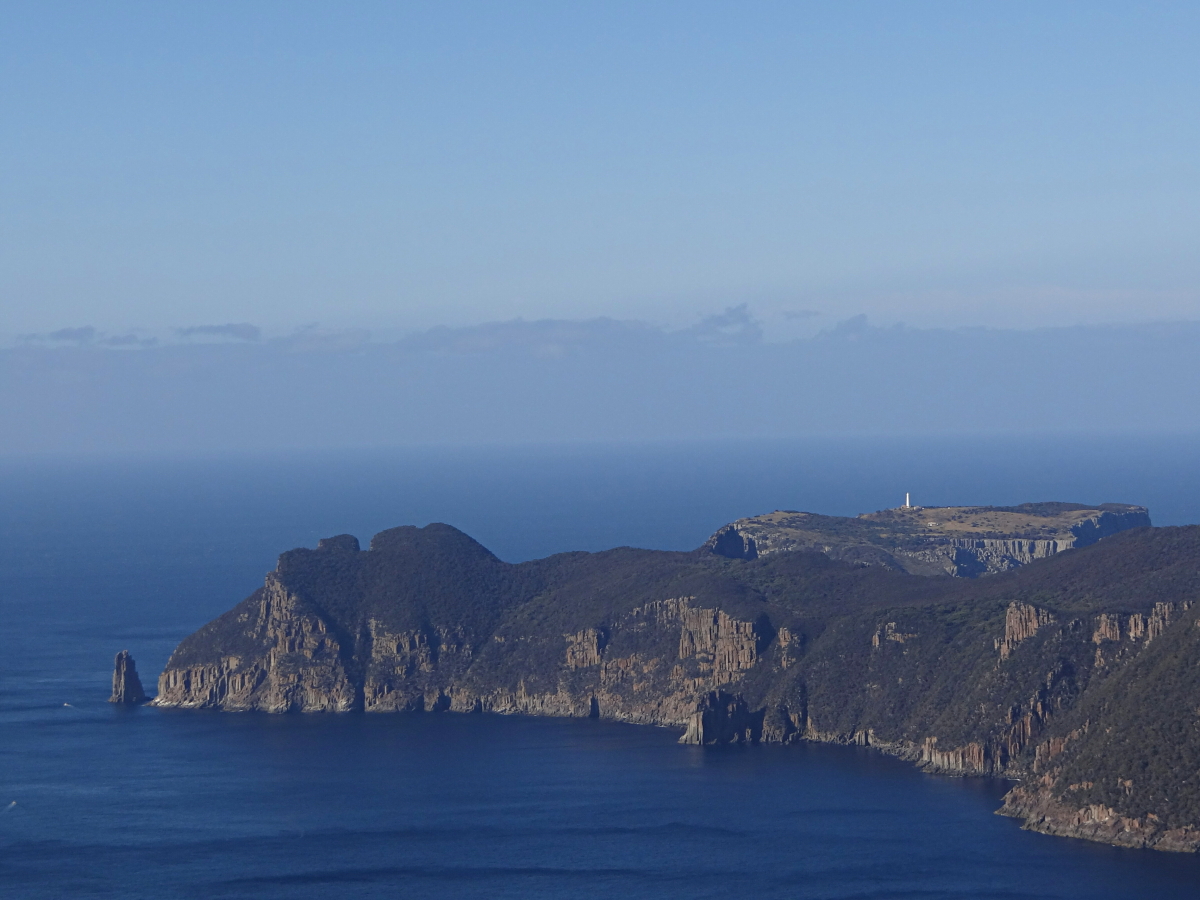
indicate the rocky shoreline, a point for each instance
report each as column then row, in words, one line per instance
column 1048, row 675
column 1039, row 810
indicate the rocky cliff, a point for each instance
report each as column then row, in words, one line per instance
column 1076, row 674
column 965, row 541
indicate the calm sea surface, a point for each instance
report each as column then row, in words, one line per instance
column 96, row 556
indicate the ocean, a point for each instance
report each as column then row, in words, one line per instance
column 98, row 555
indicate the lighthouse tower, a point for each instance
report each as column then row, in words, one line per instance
column 907, row 505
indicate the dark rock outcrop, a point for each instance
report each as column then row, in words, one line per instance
column 1075, row 675
column 127, row 687
column 733, row 543
column 723, row 718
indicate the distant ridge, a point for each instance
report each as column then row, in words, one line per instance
column 965, row 541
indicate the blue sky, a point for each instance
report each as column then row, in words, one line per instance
column 397, row 166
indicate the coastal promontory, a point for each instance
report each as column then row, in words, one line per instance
column 1071, row 666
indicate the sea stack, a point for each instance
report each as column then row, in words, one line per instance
column 127, row 687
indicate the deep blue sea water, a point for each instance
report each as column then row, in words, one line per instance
column 100, row 555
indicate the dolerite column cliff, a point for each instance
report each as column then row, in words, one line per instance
column 1076, row 675
column 127, row 687
column 293, row 661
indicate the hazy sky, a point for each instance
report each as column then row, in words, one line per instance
column 396, row 166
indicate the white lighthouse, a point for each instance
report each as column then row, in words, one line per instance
column 907, row 505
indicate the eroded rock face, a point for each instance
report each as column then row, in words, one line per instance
column 1040, row 810
column 127, row 687
column 296, row 664
column 584, row 648
column 413, row 669
column 733, row 542
column 1016, row 675
column 1021, row 622
column 722, row 718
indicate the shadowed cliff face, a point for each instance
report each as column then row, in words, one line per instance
column 1028, row 674
column 127, row 687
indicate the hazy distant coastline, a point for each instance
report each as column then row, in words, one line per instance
column 227, row 388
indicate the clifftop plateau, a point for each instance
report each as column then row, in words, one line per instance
column 1075, row 674
column 957, row 540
